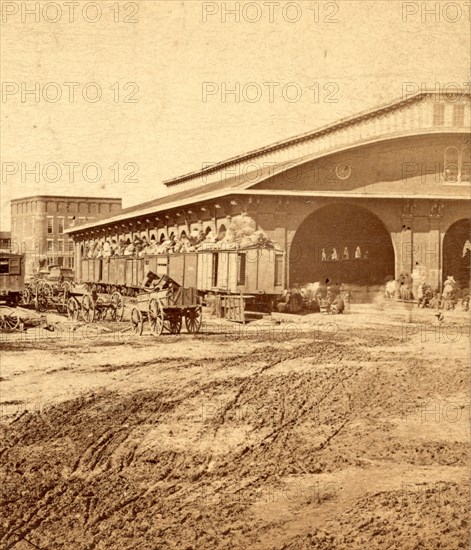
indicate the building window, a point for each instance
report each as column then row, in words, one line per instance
column 50, row 226
column 60, row 225
column 457, row 164
column 439, row 114
column 60, row 246
column 70, row 246
column 465, row 164
column 241, row 268
column 278, row 269
column 50, row 246
column 81, row 221
column 71, row 221
column 458, row 115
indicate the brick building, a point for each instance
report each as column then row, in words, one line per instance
column 38, row 224
column 389, row 186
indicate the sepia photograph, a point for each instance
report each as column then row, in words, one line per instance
column 235, row 253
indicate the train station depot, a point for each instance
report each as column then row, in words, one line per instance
column 357, row 202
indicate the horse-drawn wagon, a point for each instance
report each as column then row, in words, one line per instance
column 165, row 307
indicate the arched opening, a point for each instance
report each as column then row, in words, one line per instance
column 162, row 238
column 183, row 235
column 339, row 244
column 221, row 232
column 208, row 230
column 457, row 253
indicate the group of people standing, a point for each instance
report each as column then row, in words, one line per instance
column 323, row 299
column 333, row 256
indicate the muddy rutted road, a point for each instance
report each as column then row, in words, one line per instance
column 323, row 442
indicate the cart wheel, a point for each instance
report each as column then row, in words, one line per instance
column 46, row 290
column 40, row 303
column 66, row 285
column 117, row 306
column 156, row 317
column 9, row 321
column 26, row 297
column 88, row 308
column 193, row 319
column 174, row 324
column 73, row 309
column 137, row 322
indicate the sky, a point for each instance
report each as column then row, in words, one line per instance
column 128, row 94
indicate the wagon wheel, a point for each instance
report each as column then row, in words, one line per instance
column 73, row 309
column 88, row 308
column 40, row 302
column 66, row 285
column 117, row 306
column 174, row 323
column 9, row 321
column 46, row 290
column 137, row 321
column 26, row 296
column 193, row 319
column 156, row 317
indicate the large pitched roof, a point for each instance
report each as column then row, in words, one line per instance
column 222, row 187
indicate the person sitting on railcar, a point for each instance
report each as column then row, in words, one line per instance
column 121, row 247
column 129, row 248
column 92, row 250
column 107, row 249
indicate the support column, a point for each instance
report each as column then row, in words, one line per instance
column 433, row 256
column 405, row 260
column 77, row 260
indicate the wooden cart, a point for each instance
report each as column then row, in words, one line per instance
column 91, row 306
column 166, row 309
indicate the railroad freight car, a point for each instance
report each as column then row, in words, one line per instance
column 11, row 278
column 253, row 276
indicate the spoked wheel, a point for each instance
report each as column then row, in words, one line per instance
column 40, row 303
column 137, row 321
column 66, row 285
column 26, row 296
column 9, row 321
column 46, row 290
column 73, row 309
column 193, row 319
column 117, row 306
column 88, row 308
column 156, row 317
column 174, row 323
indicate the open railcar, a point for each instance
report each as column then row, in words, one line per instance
column 239, row 279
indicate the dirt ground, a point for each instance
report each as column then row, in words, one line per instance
column 325, row 432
